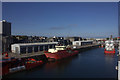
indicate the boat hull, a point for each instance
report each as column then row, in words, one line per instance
column 33, row 65
column 112, row 51
column 60, row 54
column 16, row 65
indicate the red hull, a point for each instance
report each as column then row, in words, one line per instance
column 33, row 65
column 60, row 54
column 6, row 65
column 113, row 51
column 9, row 64
column 5, row 69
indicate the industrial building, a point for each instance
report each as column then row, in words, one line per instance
column 32, row 47
column 82, row 43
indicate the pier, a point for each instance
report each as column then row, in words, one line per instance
column 79, row 48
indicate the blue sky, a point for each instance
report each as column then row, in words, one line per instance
column 85, row 19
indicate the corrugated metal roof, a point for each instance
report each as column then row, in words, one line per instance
column 27, row 44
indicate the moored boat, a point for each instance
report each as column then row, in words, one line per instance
column 60, row 52
column 11, row 64
column 109, row 46
column 31, row 63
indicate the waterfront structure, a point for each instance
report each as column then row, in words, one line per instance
column 32, row 47
column 5, row 34
column 82, row 43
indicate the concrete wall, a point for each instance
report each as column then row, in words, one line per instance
column 19, row 49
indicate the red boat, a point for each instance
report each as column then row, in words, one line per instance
column 111, row 51
column 10, row 65
column 60, row 52
column 109, row 46
column 31, row 63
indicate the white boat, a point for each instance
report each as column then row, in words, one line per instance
column 109, row 46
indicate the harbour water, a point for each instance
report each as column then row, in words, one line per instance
column 93, row 63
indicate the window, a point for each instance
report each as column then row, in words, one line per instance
column 30, row 49
column 22, row 50
column 41, row 48
column 35, row 48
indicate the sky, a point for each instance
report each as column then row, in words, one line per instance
column 83, row 19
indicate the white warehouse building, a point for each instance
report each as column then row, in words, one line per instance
column 82, row 43
column 23, row 48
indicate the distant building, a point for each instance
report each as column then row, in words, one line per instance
column 5, row 34
column 6, row 28
column 82, row 43
column 74, row 38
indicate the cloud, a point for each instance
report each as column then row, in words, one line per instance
column 72, row 25
column 63, row 27
column 57, row 28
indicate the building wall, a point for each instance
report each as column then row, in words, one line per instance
column 6, row 29
column 6, row 42
column 86, row 43
column 77, row 43
column 6, row 36
column 82, row 43
column 31, row 48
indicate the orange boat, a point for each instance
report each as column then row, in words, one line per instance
column 60, row 52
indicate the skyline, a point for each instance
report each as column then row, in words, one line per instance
column 84, row 19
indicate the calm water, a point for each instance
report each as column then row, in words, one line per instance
column 89, row 64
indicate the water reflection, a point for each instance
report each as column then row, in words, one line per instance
column 110, row 60
column 109, row 55
column 59, row 65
